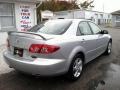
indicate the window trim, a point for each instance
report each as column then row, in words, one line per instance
column 80, row 30
column 78, row 33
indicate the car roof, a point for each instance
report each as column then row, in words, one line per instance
column 74, row 20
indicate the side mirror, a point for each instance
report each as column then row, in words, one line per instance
column 104, row 32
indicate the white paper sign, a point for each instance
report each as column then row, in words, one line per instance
column 25, row 18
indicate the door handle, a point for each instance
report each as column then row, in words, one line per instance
column 83, row 41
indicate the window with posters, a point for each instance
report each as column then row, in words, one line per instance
column 25, row 19
column 25, row 16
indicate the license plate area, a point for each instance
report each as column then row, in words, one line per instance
column 18, row 51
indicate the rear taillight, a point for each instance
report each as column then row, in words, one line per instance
column 43, row 48
column 8, row 43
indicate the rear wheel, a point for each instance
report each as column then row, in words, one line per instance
column 109, row 48
column 76, row 68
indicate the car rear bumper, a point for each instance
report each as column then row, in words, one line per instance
column 39, row 66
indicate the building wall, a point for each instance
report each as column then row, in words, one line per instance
column 3, row 38
column 113, row 21
column 98, row 17
column 63, row 15
column 69, row 14
column 7, row 16
column 79, row 14
column 116, row 20
column 91, row 16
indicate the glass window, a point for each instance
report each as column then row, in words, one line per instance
column 84, row 28
column 55, row 27
column 6, row 15
column 94, row 28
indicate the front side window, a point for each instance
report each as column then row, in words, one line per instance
column 54, row 27
column 94, row 28
column 84, row 28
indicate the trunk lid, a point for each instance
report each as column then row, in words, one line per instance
column 20, row 42
column 24, row 39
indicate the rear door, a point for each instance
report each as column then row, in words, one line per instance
column 87, row 40
column 101, row 39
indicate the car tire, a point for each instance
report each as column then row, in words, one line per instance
column 109, row 48
column 76, row 68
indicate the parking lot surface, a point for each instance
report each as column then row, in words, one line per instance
column 103, row 73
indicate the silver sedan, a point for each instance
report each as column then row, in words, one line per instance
column 61, row 46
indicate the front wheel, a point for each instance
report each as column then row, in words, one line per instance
column 76, row 68
column 109, row 48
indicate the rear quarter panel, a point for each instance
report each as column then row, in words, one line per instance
column 69, row 47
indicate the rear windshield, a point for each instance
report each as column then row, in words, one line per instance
column 55, row 27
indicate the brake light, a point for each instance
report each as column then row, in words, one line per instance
column 8, row 43
column 43, row 48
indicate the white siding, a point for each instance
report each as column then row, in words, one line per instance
column 3, row 37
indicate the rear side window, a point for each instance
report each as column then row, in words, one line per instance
column 84, row 28
column 94, row 28
column 55, row 27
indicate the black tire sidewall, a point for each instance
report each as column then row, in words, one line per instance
column 70, row 72
column 106, row 52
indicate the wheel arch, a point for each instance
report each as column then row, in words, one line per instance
column 75, row 51
column 82, row 54
column 110, row 40
column 72, row 57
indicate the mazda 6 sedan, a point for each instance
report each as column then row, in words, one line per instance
column 61, row 46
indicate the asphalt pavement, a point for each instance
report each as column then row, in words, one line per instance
column 103, row 73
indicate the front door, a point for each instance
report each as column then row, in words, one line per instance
column 100, row 38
